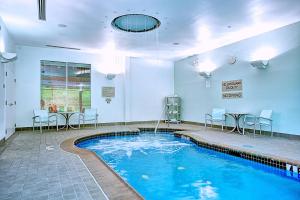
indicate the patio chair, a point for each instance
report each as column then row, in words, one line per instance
column 43, row 117
column 265, row 119
column 217, row 115
column 88, row 115
column 249, row 120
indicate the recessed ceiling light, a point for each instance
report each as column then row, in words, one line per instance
column 62, row 25
column 175, row 43
column 228, row 26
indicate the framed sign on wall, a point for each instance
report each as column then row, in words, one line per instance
column 232, row 95
column 234, row 85
column 108, row 93
column 232, row 89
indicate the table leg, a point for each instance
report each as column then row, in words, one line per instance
column 234, row 128
column 72, row 127
column 238, row 125
column 66, row 121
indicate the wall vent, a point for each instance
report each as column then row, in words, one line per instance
column 62, row 47
column 42, row 9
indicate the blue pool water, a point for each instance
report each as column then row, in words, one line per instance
column 161, row 166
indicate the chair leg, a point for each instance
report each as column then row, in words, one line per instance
column 33, row 126
column 259, row 129
column 205, row 123
column 40, row 127
column 48, row 125
column 56, row 125
column 222, row 127
column 271, row 131
column 95, row 124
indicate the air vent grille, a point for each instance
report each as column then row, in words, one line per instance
column 62, row 47
column 42, row 9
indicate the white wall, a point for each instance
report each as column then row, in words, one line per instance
column 140, row 82
column 6, row 45
column 2, row 103
column 28, row 82
column 149, row 81
column 276, row 88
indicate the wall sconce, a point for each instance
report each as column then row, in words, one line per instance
column 7, row 57
column 110, row 76
column 205, row 74
column 260, row 64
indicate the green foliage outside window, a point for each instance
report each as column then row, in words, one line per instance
column 65, row 86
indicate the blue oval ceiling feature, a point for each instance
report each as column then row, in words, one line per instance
column 135, row 23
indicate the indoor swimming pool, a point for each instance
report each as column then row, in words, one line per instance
column 161, row 166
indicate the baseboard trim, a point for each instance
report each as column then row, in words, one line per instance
column 276, row 134
column 2, row 141
column 91, row 125
column 5, row 142
column 267, row 133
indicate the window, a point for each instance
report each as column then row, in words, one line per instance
column 65, row 86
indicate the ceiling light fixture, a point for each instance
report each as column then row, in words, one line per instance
column 135, row 23
column 110, row 76
column 42, row 9
column 7, row 57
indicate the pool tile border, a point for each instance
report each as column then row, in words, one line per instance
column 292, row 168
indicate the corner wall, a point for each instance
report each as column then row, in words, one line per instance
column 275, row 88
column 149, row 82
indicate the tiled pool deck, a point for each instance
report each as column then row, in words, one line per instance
column 33, row 166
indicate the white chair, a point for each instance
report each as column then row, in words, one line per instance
column 265, row 119
column 88, row 115
column 249, row 120
column 217, row 115
column 43, row 117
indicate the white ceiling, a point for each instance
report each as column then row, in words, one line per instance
column 197, row 25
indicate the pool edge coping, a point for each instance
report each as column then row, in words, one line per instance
column 95, row 165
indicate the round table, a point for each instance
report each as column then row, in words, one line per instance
column 67, row 116
column 236, row 117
